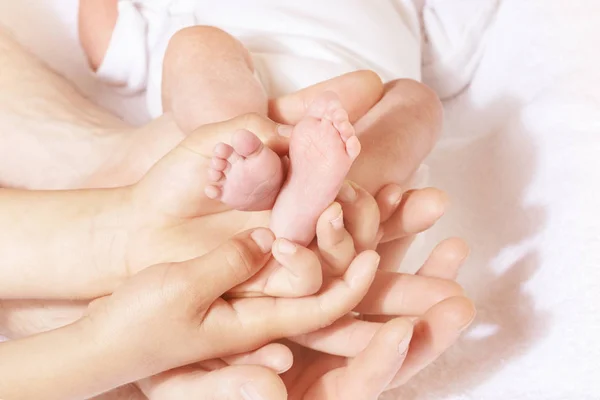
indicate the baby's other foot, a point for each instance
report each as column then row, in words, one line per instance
column 323, row 146
column 246, row 175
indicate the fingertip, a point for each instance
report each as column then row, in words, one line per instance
column 263, row 238
column 284, row 246
column 454, row 250
column 353, row 147
column 435, row 203
column 389, row 199
column 446, row 259
column 420, row 210
column 332, row 216
column 464, row 313
column 362, row 269
column 299, row 274
column 455, row 313
column 399, row 332
column 261, row 384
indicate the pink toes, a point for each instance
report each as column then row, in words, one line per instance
column 245, row 143
column 353, row 147
column 219, row 166
column 339, row 118
column 234, row 168
column 328, row 107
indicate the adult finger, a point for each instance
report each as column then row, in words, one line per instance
column 361, row 216
column 230, row 264
column 252, row 322
column 406, row 294
column 388, row 199
column 300, row 273
column 229, row 383
column 334, row 244
column 274, row 356
column 273, row 135
column 346, row 337
column 294, row 271
column 418, row 211
column 371, row 371
column 445, row 259
column 358, row 92
column 435, row 332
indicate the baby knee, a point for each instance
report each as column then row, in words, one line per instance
column 207, row 39
column 423, row 101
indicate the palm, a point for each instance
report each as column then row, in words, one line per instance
column 314, row 375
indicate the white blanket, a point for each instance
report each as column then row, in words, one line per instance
column 521, row 161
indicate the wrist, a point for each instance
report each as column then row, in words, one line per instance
column 43, row 366
column 111, row 233
column 121, row 345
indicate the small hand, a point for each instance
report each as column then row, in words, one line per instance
column 173, row 314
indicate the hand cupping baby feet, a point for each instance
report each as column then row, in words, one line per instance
column 247, row 175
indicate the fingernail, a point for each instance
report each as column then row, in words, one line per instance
column 468, row 324
column 285, row 130
column 338, row 222
column 347, row 193
column 365, row 273
column 264, row 239
column 285, row 246
column 403, row 345
column 396, row 198
column 249, row 392
column 380, row 234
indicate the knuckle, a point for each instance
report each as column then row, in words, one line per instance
column 240, row 259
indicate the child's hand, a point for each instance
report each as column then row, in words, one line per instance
column 173, row 314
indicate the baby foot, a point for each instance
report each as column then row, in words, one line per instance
column 246, row 175
column 322, row 148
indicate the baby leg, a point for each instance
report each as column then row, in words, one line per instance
column 208, row 77
column 322, row 148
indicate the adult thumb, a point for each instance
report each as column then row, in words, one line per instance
column 232, row 263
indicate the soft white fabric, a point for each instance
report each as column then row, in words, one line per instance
column 294, row 44
column 520, row 160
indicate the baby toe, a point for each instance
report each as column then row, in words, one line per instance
column 212, row 192
column 353, row 147
column 245, row 143
column 219, row 164
column 215, row 176
column 222, row 150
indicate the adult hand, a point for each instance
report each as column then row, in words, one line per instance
column 359, row 358
column 174, row 314
column 355, row 358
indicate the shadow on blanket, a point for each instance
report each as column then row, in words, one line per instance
column 486, row 180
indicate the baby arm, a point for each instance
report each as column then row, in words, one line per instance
column 61, row 244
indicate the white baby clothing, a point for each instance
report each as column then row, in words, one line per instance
column 294, row 44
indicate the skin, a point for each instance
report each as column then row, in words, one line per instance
column 166, row 317
column 359, row 351
column 122, row 155
column 193, row 302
